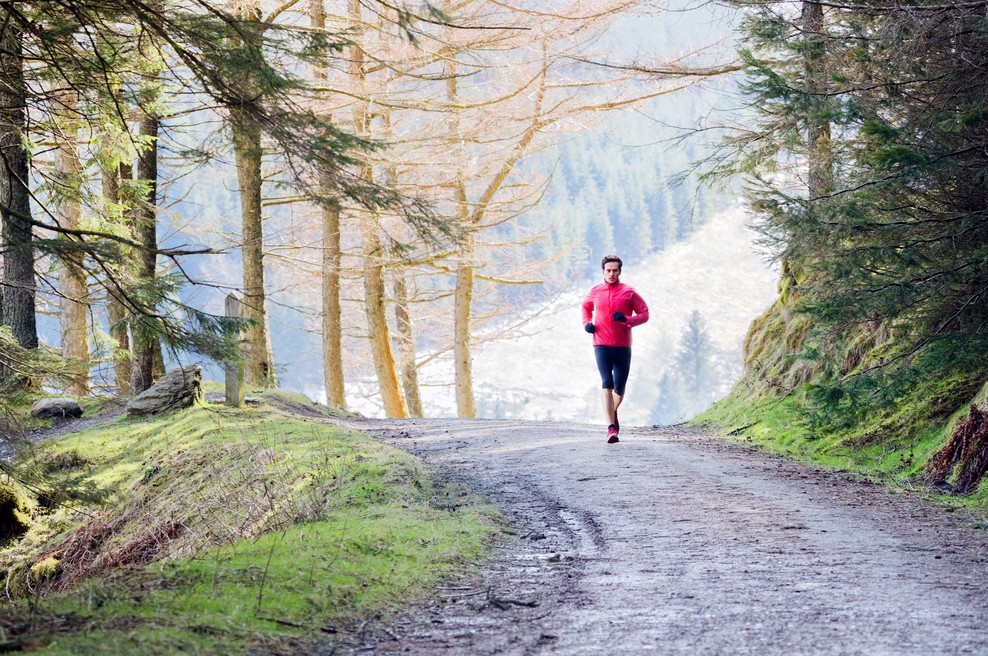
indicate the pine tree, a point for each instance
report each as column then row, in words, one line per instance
column 693, row 381
column 875, row 116
column 694, row 360
column 670, row 407
column 17, row 301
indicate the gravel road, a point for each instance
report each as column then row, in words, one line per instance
column 673, row 542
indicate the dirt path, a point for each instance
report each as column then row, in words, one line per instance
column 674, row 543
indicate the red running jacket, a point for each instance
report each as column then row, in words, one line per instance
column 602, row 302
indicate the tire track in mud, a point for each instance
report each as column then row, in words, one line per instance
column 674, row 543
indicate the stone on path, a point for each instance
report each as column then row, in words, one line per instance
column 177, row 389
column 56, row 408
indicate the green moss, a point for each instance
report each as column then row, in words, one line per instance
column 240, row 528
column 776, row 405
column 45, row 569
column 14, row 513
column 891, row 447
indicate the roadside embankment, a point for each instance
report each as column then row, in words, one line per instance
column 272, row 526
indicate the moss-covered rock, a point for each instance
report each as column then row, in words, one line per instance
column 14, row 514
column 46, row 569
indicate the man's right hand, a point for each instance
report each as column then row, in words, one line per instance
column 590, row 328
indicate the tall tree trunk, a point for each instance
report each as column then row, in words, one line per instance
column 374, row 292
column 74, row 300
column 406, row 345
column 820, row 175
column 466, row 405
column 377, row 320
column 18, row 293
column 471, row 216
column 332, row 316
column 116, row 308
column 332, row 308
column 819, row 170
column 145, row 233
column 259, row 369
column 405, row 338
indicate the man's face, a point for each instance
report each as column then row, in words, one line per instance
column 612, row 272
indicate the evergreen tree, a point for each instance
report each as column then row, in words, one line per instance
column 694, row 360
column 670, row 408
column 17, row 301
column 868, row 166
column 694, row 380
column 93, row 50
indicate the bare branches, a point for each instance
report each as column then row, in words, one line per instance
column 674, row 71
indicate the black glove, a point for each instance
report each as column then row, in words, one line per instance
column 590, row 328
column 619, row 316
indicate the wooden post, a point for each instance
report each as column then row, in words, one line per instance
column 234, row 370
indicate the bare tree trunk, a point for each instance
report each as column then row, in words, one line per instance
column 466, row 405
column 332, row 309
column 74, row 300
column 332, row 316
column 146, row 234
column 18, row 293
column 116, row 308
column 377, row 320
column 157, row 359
column 405, row 339
column 374, row 293
column 821, row 176
column 406, row 345
column 472, row 215
column 259, row 370
column 247, row 147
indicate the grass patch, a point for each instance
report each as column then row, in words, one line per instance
column 891, row 449
column 787, row 402
column 15, row 410
column 218, row 530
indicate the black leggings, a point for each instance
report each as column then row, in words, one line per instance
column 614, row 364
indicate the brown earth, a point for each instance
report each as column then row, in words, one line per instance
column 674, row 542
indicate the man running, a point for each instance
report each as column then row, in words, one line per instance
column 610, row 311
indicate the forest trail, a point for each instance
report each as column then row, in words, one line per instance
column 673, row 542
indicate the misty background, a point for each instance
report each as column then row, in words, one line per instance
column 624, row 185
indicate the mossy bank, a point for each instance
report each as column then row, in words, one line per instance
column 777, row 405
column 218, row 530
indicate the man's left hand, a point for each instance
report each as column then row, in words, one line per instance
column 619, row 316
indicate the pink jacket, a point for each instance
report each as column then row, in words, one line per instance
column 602, row 302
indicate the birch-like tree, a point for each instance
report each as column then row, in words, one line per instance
column 248, row 151
column 473, row 96
column 74, row 301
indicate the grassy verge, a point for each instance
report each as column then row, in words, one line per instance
column 214, row 530
column 882, row 429
column 891, row 449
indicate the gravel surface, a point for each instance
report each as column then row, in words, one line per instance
column 673, row 542
column 10, row 442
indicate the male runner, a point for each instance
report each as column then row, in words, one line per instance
column 610, row 311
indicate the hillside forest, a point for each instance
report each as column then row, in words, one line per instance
column 388, row 178
column 866, row 167
column 399, row 176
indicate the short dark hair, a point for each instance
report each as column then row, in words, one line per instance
column 611, row 258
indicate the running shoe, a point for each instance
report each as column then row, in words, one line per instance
column 612, row 434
